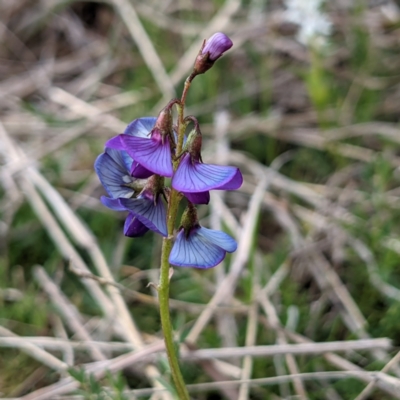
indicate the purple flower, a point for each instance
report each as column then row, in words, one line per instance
column 146, row 211
column 151, row 154
column 133, row 227
column 147, row 208
column 113, row 169
column 217, row 45
column 198, row 198
column 194, row 178
column 201, row 248
column 138, row 128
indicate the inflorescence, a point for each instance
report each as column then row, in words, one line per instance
column 134, row 166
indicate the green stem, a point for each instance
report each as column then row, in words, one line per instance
column 163, row 295
column 163, row 288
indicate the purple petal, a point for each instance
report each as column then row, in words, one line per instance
column 198, row 198
column 115, row 143
column 141, row 127
column 113, row 204
column 217, row 45
column 197, row 177
column 113, row 174
column 195, row 251
column 154, row 216
column 234, row 183
column 150, row 153
column 140, row 172
column 133, row 227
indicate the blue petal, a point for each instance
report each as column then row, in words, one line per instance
column 114, row 204
column 141, row 127
column 113, row 175
column 219, row 238
column 122, row 158
column 151, row 214
column 198, row 198
column 150, row 153
column 195, row 251
column 197, row 177
column 133, row 227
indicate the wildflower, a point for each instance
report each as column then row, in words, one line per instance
column 198, row 198
column 152, row 154
column 113, row 169
column 148, row 208
column 199, row 247
column 194, row 179
column 140, row 128
column 193, row 176
column 147, row 211
column 133, row 227
column 213, row 48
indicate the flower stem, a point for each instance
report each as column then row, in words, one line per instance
column 163, row 288
column 163, row 295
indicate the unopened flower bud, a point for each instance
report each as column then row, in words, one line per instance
column 217, row 45
column 193, row 144
column 212, row 49
column 164, row 122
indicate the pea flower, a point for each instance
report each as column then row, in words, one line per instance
column 113, row 169
column 132, row 226
column 140, row 127
column 147, row 208
column 199, row 247
column 194, row 178
column 150, row 153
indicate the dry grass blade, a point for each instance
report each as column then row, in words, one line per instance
column 369, row 388
column 34, row 351
column 282, row 349
column 66, row 385
column 68, row 312
column 310, row 376
column 227, row 287
column 129, row 16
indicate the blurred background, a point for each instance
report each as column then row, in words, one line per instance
column 306, row 103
